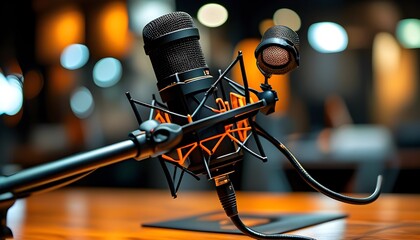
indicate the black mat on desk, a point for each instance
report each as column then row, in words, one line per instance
column 218, row 222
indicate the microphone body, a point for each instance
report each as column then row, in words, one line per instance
column 183, row 79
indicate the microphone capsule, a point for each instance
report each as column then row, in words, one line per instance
column 278, row 52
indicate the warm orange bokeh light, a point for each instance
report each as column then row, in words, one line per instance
column 394, row 79
column 280, row 83
column 57, row 30
column 112, row 33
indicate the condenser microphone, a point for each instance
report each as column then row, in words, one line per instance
column 183, row 80
column 172, row 43
column 278, row 51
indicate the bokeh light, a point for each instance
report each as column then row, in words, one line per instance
column 107, row 72
column 110, row 31
column 57, row 30
column 408, row 33
column 81, row 102
column 74, row 56
column 287, row 17
column 212, row 15
column 11, row 95
column 142, row 12
column 327, row 37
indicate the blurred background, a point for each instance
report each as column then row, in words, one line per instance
column 349, row 112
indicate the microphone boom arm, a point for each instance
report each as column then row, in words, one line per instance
column 153, row 139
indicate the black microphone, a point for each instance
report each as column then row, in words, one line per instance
column 183, row 80
column 215, row 131
column 218, row 119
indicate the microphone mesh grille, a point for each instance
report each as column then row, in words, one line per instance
column 166, row 24
column 177, row 56
column 275, row 56
column 275, row 59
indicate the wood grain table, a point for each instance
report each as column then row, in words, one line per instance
column 114, row 213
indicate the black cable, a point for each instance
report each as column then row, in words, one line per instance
column 311, row 181
column 227, row 197
column 258, row 235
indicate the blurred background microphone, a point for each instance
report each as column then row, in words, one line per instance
column 278, row 52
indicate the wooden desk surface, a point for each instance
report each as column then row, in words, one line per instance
column 101, row 213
